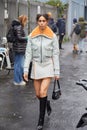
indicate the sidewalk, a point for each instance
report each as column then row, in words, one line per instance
column 19, row 106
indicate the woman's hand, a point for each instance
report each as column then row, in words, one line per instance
column 25, row 76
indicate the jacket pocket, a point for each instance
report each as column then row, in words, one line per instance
column 48, row 51
column 35, row 51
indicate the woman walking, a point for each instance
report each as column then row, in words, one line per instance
column 43, row 50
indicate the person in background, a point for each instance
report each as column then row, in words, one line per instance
column 83, row 25
column 19, row 48
column 43, row 50
column 51, row 23
column 51, row 20
column 74, row 37
column 61, row 25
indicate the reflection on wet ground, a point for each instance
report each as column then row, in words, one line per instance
column 19, row 106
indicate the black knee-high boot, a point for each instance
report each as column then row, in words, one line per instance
column 43, row 102
column 49, row 109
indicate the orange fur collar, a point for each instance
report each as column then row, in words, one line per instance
column 47, row 32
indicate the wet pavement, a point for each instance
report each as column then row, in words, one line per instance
column 19, row 106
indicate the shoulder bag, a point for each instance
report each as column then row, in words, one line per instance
column 56, row 93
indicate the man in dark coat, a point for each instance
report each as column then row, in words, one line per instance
column 61, row 27
column 51, row 23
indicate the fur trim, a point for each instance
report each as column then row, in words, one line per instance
column 47, row 32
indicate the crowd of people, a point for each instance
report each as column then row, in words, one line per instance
column 77, row 39
column 41, row 47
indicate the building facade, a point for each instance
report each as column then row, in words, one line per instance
column 77, row 8
column 11, row 9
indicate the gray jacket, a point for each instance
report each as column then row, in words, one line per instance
column 41, row 48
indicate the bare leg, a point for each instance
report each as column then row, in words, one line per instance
column 44, row 87
column 41, row 89
column 37, row 84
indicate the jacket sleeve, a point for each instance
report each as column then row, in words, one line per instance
column 56, row 56
column 21, row 34
column 28, row 56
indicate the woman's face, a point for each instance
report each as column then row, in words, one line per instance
column 42, row 22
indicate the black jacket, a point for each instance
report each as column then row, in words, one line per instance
column 61, row 25
column 20, row 45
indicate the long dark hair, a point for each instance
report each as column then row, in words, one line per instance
column 44, row 15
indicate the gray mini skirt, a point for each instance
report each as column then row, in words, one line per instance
column 42, row 70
